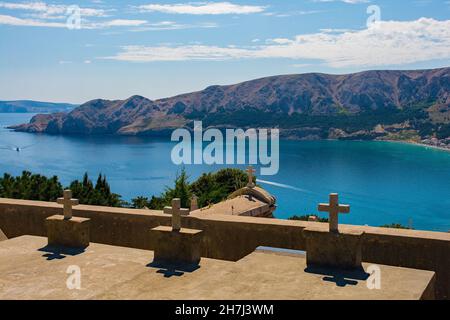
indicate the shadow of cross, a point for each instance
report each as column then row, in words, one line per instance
column 59, row 252
column 67, row 203
column 339, row 276
column 334, row 208
column 176, row 211
column 170, row 270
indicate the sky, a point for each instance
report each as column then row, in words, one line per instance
column 75, row 51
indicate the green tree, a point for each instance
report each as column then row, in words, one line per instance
column 210, row 188
column 30, row 186
column 140, row 202
column 180, row 190
column 214, row 187
column 100, row 194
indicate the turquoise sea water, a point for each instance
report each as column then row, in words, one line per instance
column 383, row 182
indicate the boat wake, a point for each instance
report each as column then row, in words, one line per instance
column 282, row 185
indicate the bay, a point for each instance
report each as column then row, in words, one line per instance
column 383, row 182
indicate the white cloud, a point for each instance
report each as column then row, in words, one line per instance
column 386, row 43
column 202, row 8
column 180, row 53
column 33, row 6
column 280, row 41
column 40, row 14
column 120, row 23
column 331, row 30
column 290, row 13
column 171, row 25
column 14, row 21
column 49, row 11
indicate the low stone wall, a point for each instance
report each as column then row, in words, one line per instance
column 233, row 237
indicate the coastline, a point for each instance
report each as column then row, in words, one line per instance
column 418, row 144
column 288, row 137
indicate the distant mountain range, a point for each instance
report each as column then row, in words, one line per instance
column 366, row 105
column 24, row 106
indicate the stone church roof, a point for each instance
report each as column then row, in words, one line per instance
column 246, row 201
column 256, row 192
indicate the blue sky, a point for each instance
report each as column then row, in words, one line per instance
column 162, row 48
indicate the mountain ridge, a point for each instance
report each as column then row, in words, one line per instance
column 32, row 106
column 303, row 106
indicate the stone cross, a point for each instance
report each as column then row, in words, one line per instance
column 194, row 202
column 334, row 208
column 67, row 203
column 176, row 211
column 250, row 172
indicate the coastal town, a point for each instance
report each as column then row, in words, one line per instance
column 443, row 144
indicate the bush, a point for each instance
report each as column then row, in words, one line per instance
column 37, row 187
column 100, row 195
column 210, row 188
column 396, row 226
column 306, row 218
column 30, row 186
column 214, row 187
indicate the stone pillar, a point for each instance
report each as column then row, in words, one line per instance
column 331, row 249
column 194, row 203
column 176, row 247
column 66, row 230
column 72, row 232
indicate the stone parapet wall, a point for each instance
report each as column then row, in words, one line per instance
column 233, row 237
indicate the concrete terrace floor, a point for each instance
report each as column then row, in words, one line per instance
column 107, row 272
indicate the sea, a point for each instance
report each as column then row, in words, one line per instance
column 383, row 182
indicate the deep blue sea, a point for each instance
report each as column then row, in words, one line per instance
column 383, row 182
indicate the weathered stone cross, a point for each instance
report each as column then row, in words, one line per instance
column 176, row 211
column 67, row 203
column 334, row 208
column 250, row 172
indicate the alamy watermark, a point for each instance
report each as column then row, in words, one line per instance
column 375, row 16
column 374, row 279
column 73, row 21
column 73, row 282
column 229, row 149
